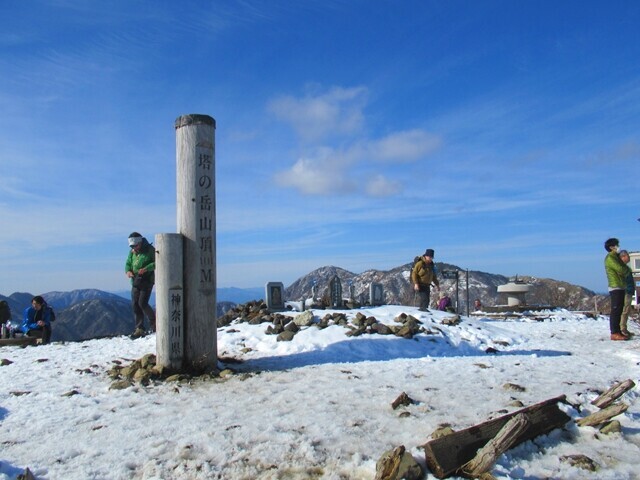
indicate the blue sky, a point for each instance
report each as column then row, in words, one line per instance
column 505, row 135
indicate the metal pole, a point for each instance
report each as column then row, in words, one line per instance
column 457, row 293
column 468, row 312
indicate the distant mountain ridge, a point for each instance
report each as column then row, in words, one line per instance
column 90, row 313
column 481, row 285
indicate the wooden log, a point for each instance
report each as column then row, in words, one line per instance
column 6, row 342
column 446, row 455
column 487, row 455
column 603, row 415
column 615, row 392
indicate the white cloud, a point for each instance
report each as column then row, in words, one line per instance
column 408, row 145
column 315, row 176
column 379, row 186
column 336, row 112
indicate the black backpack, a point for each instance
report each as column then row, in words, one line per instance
column 5, row 311
column 52, row 314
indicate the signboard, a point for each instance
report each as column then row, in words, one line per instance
column 450, row 274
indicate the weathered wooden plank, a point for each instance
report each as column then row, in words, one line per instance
column 615, row 392
column 446, row 455
column 487, row 455
column 5, row 342
column 603, row 415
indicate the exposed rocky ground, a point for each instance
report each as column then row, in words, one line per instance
column 90, row 313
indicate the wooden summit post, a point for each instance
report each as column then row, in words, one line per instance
column 195, row 158
column 169, row 301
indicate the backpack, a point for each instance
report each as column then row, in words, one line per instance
column 52, row 314
column 5, row 311
column 413, row 266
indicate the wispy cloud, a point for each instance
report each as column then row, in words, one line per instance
column 315, row 176
column 339, row 112
column 404, row 146
column 380, row 186
column 315, row 116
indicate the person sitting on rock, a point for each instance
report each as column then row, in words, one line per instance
column 37, row 320
column 444, row 304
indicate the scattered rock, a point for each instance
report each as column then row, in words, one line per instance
column 285, row 336
column 305, row 319
column 481, row 365
column 516, row 403
column 442, row 431
column 398, row 464
column 611, row 427
column 580, row 461
column 381, row 329
column 355, row 332
column 71, row 393
column 403, row 399
column 5, row 361
column 359, row 319
column 292, row 327
column 120, row 384
column 451, row 321
column 274, row 329
column 26, row 475
column 513, row 387
column 142, row 376
column 19, row 393
column 148, row 360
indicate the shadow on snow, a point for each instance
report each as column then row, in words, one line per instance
column 379, row 350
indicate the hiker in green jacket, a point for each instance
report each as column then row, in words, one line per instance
column 617, row 279
column 629, row 292
column 140, row 267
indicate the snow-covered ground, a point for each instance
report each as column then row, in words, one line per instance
column 318, row 406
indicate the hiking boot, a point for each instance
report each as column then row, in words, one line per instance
column 138, row 332
column 618, row 336
column 626, row 333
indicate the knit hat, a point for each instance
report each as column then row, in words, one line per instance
column 429, row 253
column 612, row 242
column 134, row 239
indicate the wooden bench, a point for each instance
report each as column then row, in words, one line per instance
column 24, row 340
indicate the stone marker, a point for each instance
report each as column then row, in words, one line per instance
column 335, row 292
column 376, row 294
column 274, row 293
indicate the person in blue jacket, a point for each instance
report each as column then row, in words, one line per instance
column 36, row 321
